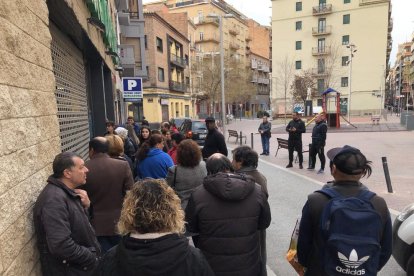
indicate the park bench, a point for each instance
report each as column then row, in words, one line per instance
column 375, row 118
column 234, row 133
column 283, row 144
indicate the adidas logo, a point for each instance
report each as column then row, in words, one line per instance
column 352, row 263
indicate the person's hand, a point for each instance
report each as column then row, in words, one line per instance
column 293, row 129
column 84, row 198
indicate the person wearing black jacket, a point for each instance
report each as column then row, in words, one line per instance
column 318, row 143
column 295, row 128
column 215, row 142
column 264, row 130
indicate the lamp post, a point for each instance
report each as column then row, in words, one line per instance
column 223, row 104
column 352, row 50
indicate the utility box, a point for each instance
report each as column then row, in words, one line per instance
column 407, row 119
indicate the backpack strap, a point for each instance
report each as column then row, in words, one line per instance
column 330, row 192
column 366, row 195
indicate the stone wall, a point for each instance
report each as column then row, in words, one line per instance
column 29, row 130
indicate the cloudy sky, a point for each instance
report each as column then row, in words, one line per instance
column 402, row 13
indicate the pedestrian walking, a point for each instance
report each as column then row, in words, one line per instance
column 152, row 161
column 264, row 130
column 245, row 161
column 345, row 228
column 189, row 173
column 227, row 211
column 65, row 239
column 318, row 143
column 107, row 182
column 214, row 142
column 152, row 225
column 295, row 128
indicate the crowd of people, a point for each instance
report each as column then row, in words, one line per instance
column 170, row 208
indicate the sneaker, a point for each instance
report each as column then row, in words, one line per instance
column 310, row 168
column 320, row 171
column 300, row 166
column 289, row 165
column 263, row 153
column 267, row 154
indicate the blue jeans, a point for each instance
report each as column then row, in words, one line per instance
column 107, row 242
column 265, row 143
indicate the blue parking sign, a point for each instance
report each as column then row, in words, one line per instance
column 132, row 88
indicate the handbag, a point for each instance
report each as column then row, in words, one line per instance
column 291, row 254
column 175, row 178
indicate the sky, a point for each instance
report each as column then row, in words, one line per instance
column 402, row 14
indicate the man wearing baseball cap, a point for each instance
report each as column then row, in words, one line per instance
column 348, row 165
column 215, row 142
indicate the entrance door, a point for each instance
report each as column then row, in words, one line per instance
column 321, row 25
column 164, row 110
column 321, row 45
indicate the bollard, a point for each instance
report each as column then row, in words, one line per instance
column 251, row 139
column 309, row 156
column 387, row 174
column 241, row 138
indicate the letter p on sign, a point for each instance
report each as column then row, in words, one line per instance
column 132, row 84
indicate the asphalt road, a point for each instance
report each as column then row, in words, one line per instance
column 287, row 193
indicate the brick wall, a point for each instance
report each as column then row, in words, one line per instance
column 260, row 35
column 29, row 131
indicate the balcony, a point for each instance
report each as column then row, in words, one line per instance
column 263, row 67
column 177, row 86
column 316, row 31
column 254, row 79
column 186, row 3
column 178, row 61
column 200, row 20
column 234, row 31
column 322, row 9
column 254, row 64
column 369, row 2
column 208, row 38
column 248, row 38
column 263, row 81
column 319, row 72
column 234, row 46
column 390, row 24
column 320, row 51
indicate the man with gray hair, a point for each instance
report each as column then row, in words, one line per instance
column 227, row 211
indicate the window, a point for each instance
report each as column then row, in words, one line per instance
column 201, row 35
column 187, row 80
column 298, row 25
column 159, row 44
column 346, row 19
column 321, row 85
column 298, row 45
column 344, row 82
column 160, row 74
column 145, row 42
column 321, row 65
column 345, row 61
column 186, row 59
column 298, row 6
column 345, row 39
column 347, row 1
column 298, row 64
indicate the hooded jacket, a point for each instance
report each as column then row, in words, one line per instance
column 227, row 211
column 169, row 255
column 155, row 165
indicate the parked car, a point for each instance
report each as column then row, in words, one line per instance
column 179, row 121
column 194, row 129
column 403, row 239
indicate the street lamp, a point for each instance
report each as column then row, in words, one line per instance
column 352, row 50
column 223, row 105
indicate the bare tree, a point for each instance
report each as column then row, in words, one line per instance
column 284, row 77
column 333, row 68
column 302, row 82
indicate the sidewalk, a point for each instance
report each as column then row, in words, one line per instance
column 388, row 139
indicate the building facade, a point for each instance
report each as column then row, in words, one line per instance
column 166, row 91
column 57, row 75
column 320, row 37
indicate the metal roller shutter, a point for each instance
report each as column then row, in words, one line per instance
column 71, row 94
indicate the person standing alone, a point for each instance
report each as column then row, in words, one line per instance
column 215, row 142
column 318, row 143
column 295, row 128
column 264, row 130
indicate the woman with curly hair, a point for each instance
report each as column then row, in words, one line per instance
column 185, row 177
column 151, row 160
column 152, row 224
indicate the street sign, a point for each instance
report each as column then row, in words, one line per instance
column 132, row 89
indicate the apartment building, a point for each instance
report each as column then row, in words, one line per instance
column 166, row 91
column 330, row 39
column 132, row 55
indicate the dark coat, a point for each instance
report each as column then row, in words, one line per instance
column 310, row 240
column 107, row 181
column 214, row 143
column 319, row 134
column 169, row 255
column 258, row 177
column 227, row 211
column 266, row 128
column 65, row 238
column 300, row 128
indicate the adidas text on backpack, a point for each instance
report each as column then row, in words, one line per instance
column 351, row 230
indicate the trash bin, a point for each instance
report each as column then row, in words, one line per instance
column 331, row 117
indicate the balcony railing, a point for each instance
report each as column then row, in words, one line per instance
column 318, row 51
column 322, row 9
column 321, row 30
column 263, row 68
column 234, row 46
column 200, row 20
column 263, row 81
column 254, row 79
column 179, row 61
column 319, row 72
column 208, row 38
column 234, row 31
column 177, row 86
column 369, row 2
column 186, row 3
column 248, row 38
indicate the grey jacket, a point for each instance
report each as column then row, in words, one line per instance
column 186, row 181
column 257, row 176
